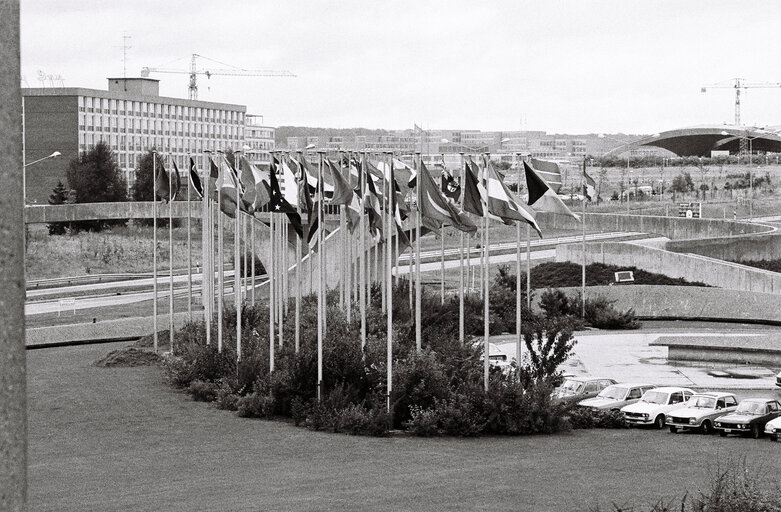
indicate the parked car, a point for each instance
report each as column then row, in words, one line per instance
column 778, row 379
column 773, row 428
column 615, row 396
column 700, row 411
column 574, row 389
column 750, row 417
column 654, row 405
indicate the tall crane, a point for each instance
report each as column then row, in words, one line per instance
column 738, row 84
column 194, row 72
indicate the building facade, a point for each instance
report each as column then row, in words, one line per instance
column 130, row 117
column 260, row 140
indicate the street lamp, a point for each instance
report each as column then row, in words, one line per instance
column 24, row 173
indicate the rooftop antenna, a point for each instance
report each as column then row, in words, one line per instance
column 125, row 47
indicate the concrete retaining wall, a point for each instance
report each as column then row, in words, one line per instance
column 691, row 267
column 651, row 301
column 749, row 247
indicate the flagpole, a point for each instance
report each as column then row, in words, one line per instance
column 252, row 253
column 418, row 290
column 528, row 267
column 280, row 295
column 189, row 254
column 220, row 259
column 384, row 240
column 518, row 301
column 389, row 288
column 205, row 223
column 237, row 265
column 171, row 260
column 298, row 285
column 271, row 279
column 486, row 297
column 343, row 246
column 442, row 243
column 461, row 261
column 362, row 254
column 154, row 246
column 320, row 270
column 583, row 276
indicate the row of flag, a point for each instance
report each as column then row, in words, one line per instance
column 373, row 198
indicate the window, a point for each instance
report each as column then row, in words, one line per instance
column 720, row 403
column 592, row 387
column 773, row 406
column 730, row 401
column 676, row 398
column 634, row 394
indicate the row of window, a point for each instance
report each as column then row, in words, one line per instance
column 160, row 110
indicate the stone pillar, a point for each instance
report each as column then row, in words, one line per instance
column 13, row 407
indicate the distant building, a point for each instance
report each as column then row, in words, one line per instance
column 260, row 139
column 131, row 117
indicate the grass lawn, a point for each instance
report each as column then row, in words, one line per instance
column 121, row 439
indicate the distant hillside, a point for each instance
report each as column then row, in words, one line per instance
column 283, row 132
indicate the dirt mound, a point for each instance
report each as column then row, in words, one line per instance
column 129, row 356
column 149, row 339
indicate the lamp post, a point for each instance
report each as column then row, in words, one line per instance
column 24, row 173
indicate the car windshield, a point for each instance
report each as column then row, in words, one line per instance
column 703, row 402
column 613, row 393
column 572, row 386
column 752, row 408
column 654, row 397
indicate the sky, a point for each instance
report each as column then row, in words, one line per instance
column 574, row 66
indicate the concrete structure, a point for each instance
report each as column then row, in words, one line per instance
column 747, row 350
column 131, row 117
column 702, row 140
column 260, row 139
column 13, row 395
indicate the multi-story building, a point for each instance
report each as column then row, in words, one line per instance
column 260, row 139
column 131, row 117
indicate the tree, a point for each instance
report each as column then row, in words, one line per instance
column 95, row 177
column 143, row 187
column 59, row 195
column 682, row 184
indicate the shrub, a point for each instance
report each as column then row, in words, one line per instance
column 202, row 391
column 586, row 417
column 600, row 313
column 422, row 422
column 255, row 405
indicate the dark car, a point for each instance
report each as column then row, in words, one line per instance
column 749, row 418
column 575, row 389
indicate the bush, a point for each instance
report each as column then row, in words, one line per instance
column 586, row 417
column 600, row 313
column 202, row 391
column 422, row 422
column 255, row 405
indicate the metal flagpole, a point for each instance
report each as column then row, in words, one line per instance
column 442, row 247
column 418, row 290
column 206, row 257
column 383, row 240
column 252, row 253
column 461, row 261
column 486, row 297
column 285, row 267
column 237, row 267
column 389, row 288
column 528, row 267
column 298, row 284
column 362, row 254
column 518, row 334
column 583, row 222
column 271, row 279
column 320, row 270
column 245, row 263
column 280, row 298
column 343, row 248
column 154, row 246
column 189, row 253
column 171, row 262
column 220, row 259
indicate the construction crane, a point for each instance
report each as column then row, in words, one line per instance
column 738, row 84
column 194, row 72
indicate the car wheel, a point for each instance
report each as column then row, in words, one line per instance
column 673, row 429
column 659, row 422
column 774, row 437
column 722, row 433
column 706, row 427
column 755, row 431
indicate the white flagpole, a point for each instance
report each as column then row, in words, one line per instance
column 320, row 271
column 252, row 253
column 528, row 267
column 220, row 265
column 270, row 273
column 285, row 267
column 383, row 240
column 518, row 334
column 461, row 261
column 362, row 255
column 583, row 276
column 418, row 290
column 389, row 288
column 189, row 250
column 280, row 296
column 171, row 262
column 298, row 284
column 486, row 297
column 237, row 266
column 154, row 246
column 206, row 256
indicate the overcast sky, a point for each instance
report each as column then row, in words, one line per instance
column 560, row 66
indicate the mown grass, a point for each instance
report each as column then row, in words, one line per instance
column 120, row 439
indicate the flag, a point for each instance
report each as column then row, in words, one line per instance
column 393, row 207
column 472, row 201
column 226, row 184
column 278, row 203
column 161, row 181
column 451, row 188
column 262, row 188
column 408, row 175
column 291, row 185
column 248, row 181
column 501, row 203
column 342, row 194
column 542, row 197
column 371, row 202
column 434, row 205
column 548, row 171
column 354, row 211
column 176, row 181
column 589, row 185
column 195, row 181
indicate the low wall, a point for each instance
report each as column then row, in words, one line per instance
column 690, row 302
column 691, row 267
column 751, row 247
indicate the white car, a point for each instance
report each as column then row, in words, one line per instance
column 616, row 396
column 654, row 405
column 701, row 411
column 778, row 379
column 773, row 428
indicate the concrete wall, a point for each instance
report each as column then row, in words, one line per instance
column 650, row 301
column 687, row 266
column 750, row 247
